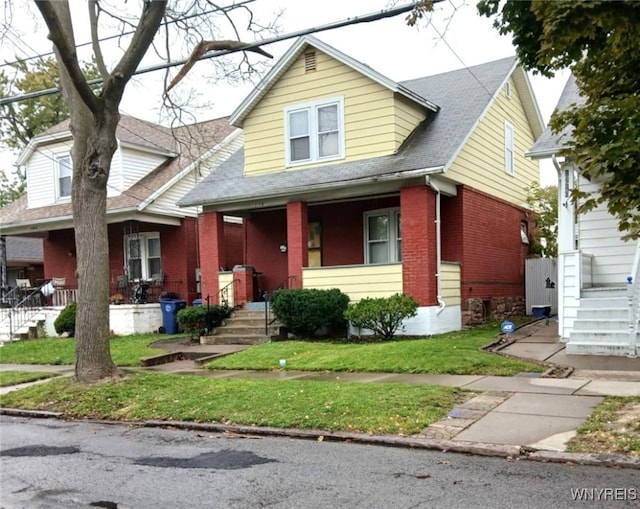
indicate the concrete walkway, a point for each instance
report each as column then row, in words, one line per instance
column 526, row 410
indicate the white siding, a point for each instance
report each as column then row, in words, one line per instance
column 41, row 174
column 600, row 238
column 135, row 165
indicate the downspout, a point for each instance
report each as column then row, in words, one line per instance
column 441, row 302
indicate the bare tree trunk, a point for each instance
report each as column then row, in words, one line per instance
column 94, row 144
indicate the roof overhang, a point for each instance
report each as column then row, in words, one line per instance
column 333, row 191
column 41, row 227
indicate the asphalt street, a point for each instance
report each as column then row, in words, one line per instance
column 54, row 464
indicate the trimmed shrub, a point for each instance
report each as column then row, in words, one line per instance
column 382, row 315
column 310, row 312
column 198, row 320
column 66, row 321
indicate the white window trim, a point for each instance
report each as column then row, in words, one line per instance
column 312, row 108
column 509, row 146
column 58, row 160
column 394, row 215
column 144, row 255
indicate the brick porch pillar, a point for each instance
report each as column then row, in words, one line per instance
column 297, row 241
column 212, row 253
column 244, row 287
column 419, row 259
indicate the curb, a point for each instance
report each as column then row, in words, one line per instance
column 510, row 452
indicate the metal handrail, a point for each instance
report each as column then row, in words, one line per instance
column 268, row 319
column 24, row 309
column 223, row 293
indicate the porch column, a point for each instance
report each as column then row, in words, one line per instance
column 419, row 257
column 212, row 254
column 297, row 241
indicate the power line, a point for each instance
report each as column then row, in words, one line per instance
column 130, row 32
column 376, row 16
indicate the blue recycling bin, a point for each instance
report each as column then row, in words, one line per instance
column 170, row 308
column 197, row 302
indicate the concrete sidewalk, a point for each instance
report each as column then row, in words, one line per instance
column 525, row 411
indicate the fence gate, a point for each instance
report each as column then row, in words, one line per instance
column 541, row 281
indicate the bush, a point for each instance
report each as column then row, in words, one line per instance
column 198, row 320
column 66, row 321
column 311, row 312
column 382, row 315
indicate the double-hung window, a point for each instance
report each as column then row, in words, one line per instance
column 315, row 131
column 509, row 151
column 142, row 251
column 383, row 236
column 64, row 173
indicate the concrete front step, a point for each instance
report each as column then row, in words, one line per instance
column 599, row 336
column 244, row 327
column 605, row 313
column 602, row 324
column 588, row 348
column 604, row 302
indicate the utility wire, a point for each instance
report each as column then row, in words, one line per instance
column 130, row 32
column 376, row 16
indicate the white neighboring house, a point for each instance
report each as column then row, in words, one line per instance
column 598, row 279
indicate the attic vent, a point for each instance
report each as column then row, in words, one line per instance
column 507, row 90
column 310, row 61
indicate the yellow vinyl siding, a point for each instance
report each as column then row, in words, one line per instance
column 224, row 280
column 480, row 163
column 358, row 281
column 375, row 122
column 450, row 283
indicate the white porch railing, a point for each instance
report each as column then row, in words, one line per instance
column 633, row 292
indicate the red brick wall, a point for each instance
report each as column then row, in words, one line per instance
column 59, row 254
column 211, row 238
column 492, row 253
column 297, row 239
column 234, row 245
column 265, row 231
column 419, row 257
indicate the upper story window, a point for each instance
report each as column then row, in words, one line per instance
column 315, row 131
column 64, row 173
column 383, row 236
column 509, row 151
column 142, row 252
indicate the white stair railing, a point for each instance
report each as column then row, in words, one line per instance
column 633, row 294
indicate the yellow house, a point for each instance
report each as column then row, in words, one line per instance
column 348, row 179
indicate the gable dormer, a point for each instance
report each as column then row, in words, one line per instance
column 319, row 106
column 47, row 160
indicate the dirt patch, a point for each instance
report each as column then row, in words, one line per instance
column 614, row 428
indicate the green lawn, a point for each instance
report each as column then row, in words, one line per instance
column 20, row 377
column 125, row 350
column 456, row 353
column 370, row 408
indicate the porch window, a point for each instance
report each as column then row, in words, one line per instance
column 509, row 162
column 142, row 251
column 64, row 172
column 315, row 131
column 383, row 236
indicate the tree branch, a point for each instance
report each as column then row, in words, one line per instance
column 95, row 40
column 57, row 16
column 147, row 28
column 204, row 47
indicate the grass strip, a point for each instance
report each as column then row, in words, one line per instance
column 456, row 353
column 613, row 428
column 125, row 350
column 20, row 377
column 369, row 408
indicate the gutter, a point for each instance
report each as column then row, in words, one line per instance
column 441, row 302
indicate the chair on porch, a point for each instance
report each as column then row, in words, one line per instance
column 156, row 285
column 122, row 285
